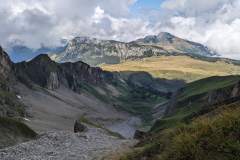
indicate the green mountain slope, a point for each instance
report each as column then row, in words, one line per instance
column 198, row 96
column 202, row 123
column 212, row 136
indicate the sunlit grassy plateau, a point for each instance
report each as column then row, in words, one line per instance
column 177, row 67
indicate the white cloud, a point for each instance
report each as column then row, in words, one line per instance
column 183, row 22
column 194, row 7
column 98, row 15
column 212, row 22
column 215, row 23
column 173, row 4
column 47, row 21
column 225, row 38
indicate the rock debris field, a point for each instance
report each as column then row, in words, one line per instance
column 94, row 144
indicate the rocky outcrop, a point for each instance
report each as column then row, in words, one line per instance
column 51, row 75
column 10, row 106
column 139, row 135
column 205, row 94
column 53, row 81
column 223, row 94
column 75, row 73
column 5, row 64
column 79, row 127
column 94, row 51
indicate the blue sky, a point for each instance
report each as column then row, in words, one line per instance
column 148, row 4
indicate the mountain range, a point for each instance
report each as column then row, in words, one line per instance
column 95, row 51
column 20, row 52
column 52, row 95
column 174, row 97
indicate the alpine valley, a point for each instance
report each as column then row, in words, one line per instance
column 156, row 98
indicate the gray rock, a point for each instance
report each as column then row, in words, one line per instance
column 139, row 134
column 94, row 144
column 53, row 81
column 79, row 127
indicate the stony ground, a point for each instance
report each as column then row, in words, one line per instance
column 94, row 144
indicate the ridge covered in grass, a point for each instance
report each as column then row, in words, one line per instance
column 194, row 98
column 196, row 128
column 208, row 84
column 213, row 136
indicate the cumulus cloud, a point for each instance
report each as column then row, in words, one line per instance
column 215, row 23
column 48, row 21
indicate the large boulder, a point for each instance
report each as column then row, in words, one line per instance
column 79, row 127
column 139, row 134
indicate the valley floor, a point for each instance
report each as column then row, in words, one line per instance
column 94, row 144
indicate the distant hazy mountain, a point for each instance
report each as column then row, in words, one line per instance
column 19, row 52
column 94, row 51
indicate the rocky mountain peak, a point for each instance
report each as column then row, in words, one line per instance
column 165, row 36
column 49, row 74
column 162, row 37
column 42, row 58
column 84, row 39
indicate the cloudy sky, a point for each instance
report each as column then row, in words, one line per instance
column 215, row 23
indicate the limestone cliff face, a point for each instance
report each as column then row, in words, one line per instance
column 51, row 75
column 53, row 81
column 5, row 64
column 94, row 51
column 41, row 71
column 75, row 74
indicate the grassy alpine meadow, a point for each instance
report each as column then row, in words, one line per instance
column 177, row 67
column 214, row 136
